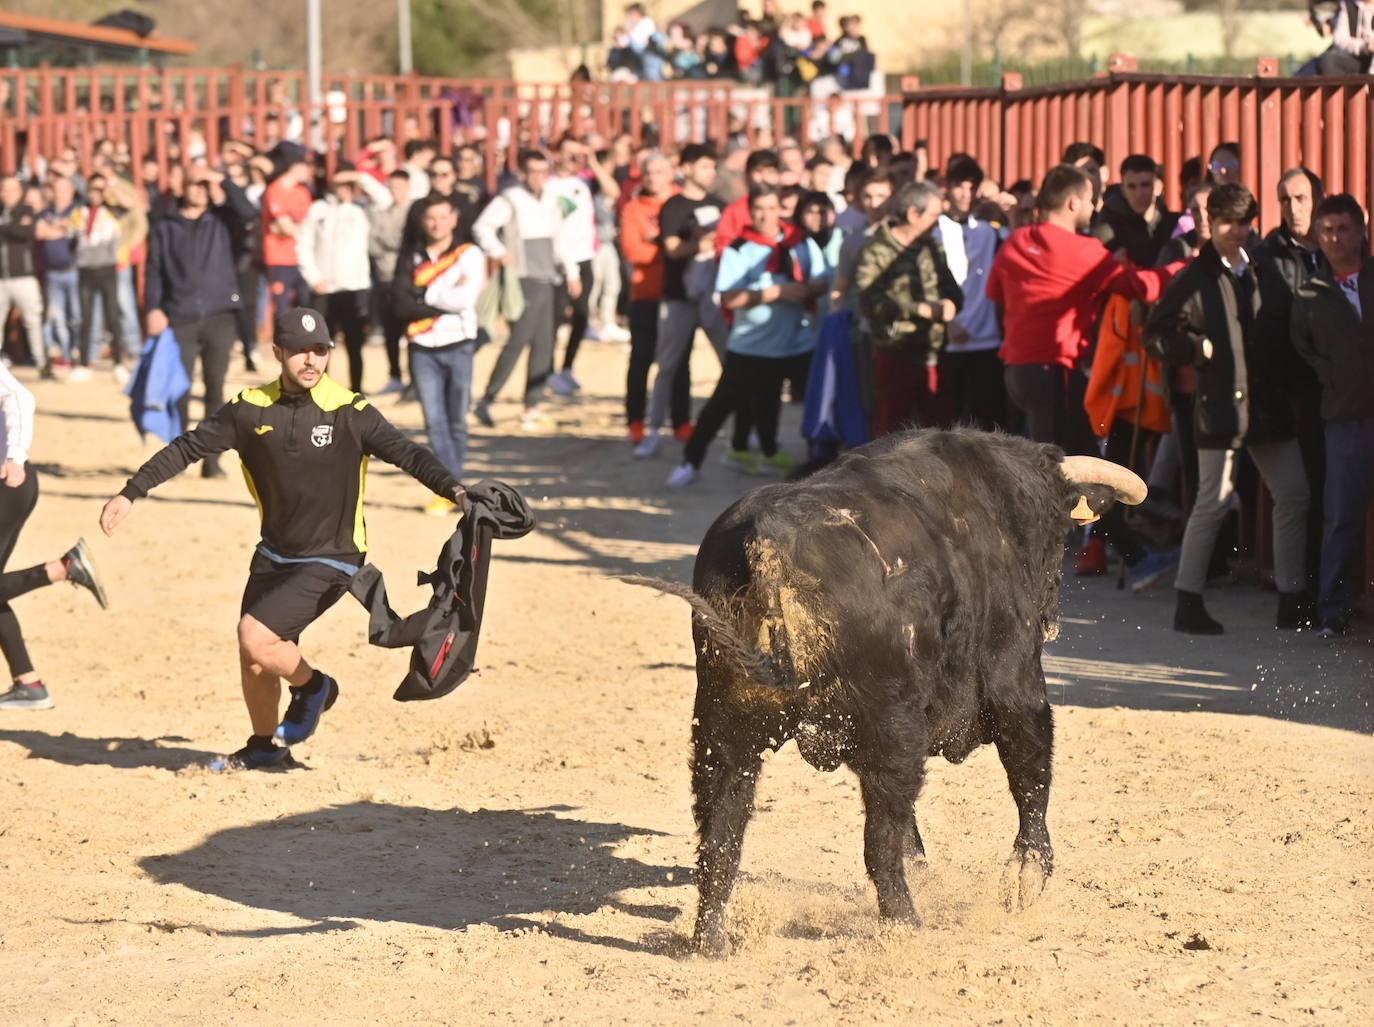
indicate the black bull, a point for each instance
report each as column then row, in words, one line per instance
column 891, row 607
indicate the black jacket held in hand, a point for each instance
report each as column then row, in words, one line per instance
column 1239, row 401
column 444, row 634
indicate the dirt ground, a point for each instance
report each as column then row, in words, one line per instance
column 521, row 850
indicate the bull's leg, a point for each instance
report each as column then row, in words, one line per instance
column 1024, row 736
column 915, row 847
column 725, row 772
column 889, row 823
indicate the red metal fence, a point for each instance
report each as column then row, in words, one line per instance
column 1321, row 123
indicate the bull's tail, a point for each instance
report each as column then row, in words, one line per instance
column 725, row 637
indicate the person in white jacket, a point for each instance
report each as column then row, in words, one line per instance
column 18, row 496
column 332, row 251
column 435, row 293
column 522, row 228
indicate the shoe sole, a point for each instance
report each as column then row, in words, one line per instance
column 83, row 554
column 1151, row 580
column 33, row 704
column 229, row 764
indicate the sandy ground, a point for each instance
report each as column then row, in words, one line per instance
column 521, row 850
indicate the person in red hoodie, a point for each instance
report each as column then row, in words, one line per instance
column 643, row 251
column 1049, row 281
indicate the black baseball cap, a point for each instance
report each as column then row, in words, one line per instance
column 300, row 328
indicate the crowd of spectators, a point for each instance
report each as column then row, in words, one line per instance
column 880, row 292
column 790, row 52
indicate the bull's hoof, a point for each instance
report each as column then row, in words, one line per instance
column 1023, row 880
column 711, row 942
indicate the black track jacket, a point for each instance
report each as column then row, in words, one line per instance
column 305, row 459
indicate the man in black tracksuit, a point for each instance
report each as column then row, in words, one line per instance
column 304, row 442
column 192, row 282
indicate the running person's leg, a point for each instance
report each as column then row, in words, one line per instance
column 279, row 602
column 16, row 504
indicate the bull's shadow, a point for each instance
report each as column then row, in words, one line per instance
column 436, row 868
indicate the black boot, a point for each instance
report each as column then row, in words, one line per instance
column 1192, row 617
column 1295, row 611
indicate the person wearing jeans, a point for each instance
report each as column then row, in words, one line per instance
column 56, row 232
column 192, row 285
column 1333, row 330
column 522, row 229
column 435, row 293
column 1205, row 319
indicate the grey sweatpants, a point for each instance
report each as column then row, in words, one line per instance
column 535, row 331
column 678, row 321
column 1280, row 465
column 24, row 292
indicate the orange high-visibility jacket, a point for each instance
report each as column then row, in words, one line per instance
column 1114, row 385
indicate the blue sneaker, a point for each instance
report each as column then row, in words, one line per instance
column 1154, row 568
column 304, row 711
column 252, row 758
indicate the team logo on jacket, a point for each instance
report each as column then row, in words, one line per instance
column 322, row 435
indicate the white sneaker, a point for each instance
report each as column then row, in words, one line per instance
column 614, row 333
column 79, row 374
column 121, row 373
column 560, row 384
column 683, row 475
column 648, row 445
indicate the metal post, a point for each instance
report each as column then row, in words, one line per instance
column 966, row 52
column 312, row 52
column 405, row 58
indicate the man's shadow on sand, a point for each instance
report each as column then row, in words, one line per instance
column 437, row 868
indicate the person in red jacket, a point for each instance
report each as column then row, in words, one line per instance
column 641, row 246
column 1049, row 282
column 762, row 168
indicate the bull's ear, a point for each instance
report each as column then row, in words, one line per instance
column 1093, row 500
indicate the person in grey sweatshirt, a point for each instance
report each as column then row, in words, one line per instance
column 520, row 229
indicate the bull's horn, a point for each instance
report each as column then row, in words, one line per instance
column 1129, row 488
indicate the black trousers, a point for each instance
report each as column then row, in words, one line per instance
column 247, row 315
column 211, row 340
column 346, row 313
column 103, row 282
column 15, row 506
column 574, row 312
column 393, row 328
column 753, row 387
column 1113, row 529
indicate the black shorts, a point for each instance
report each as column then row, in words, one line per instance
column 289, row 597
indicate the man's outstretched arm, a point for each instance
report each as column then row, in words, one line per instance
column 213, row 435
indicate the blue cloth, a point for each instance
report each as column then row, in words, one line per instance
column 767, row 329
column 834, row 403
column 157, row 384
